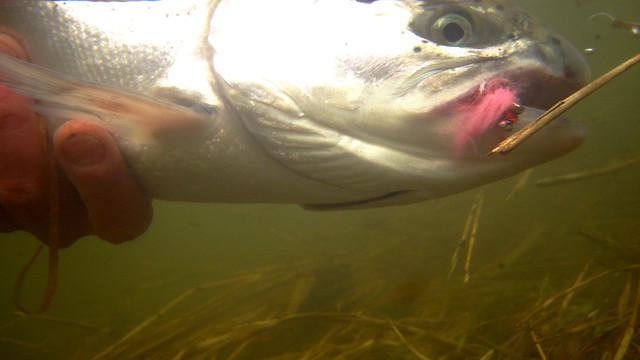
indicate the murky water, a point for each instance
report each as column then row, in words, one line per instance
column 382, row 266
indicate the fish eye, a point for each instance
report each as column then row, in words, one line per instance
column 452, row 30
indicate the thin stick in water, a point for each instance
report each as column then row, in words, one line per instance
column 520, row 184
column 538, row 346
column 470, row 228
column 629, row 331
column 614, row 166
column 405, row 342
column 472, row 237
column 463, row 241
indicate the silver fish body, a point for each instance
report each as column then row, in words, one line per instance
column 330, row 103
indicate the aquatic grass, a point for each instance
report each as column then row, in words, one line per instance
column 279, row 312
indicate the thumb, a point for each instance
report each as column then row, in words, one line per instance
column 118, row 208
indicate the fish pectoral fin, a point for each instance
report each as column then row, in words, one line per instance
column 130, row 115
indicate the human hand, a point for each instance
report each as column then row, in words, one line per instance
column 97, row 192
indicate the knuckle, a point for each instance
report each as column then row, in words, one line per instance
column 20, row 193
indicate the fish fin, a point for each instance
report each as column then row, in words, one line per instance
column 126, row 114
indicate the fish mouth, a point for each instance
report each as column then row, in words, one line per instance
column 534, row 88
column 494, row 105
column 539, row 89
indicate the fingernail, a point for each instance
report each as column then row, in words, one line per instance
column 82, row 150
column 5, row 49
column 11, row 46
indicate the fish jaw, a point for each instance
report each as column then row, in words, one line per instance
column 449, row 177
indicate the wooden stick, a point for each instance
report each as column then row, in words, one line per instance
column 561, row 107
column 468, row 237
column 538, row 346
column 463, row 240
column 472, row 237
column 522, row 181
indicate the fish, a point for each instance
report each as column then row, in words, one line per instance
column 330, row 104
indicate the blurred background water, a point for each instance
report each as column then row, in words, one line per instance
column 539, row 238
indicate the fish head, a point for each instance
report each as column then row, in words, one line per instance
column 398, row 101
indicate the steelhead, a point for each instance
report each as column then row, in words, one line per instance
column 325, row 103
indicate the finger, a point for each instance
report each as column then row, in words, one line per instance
column 23, row 177
column 117, row 207
column 11, row 46
column 16, row 162
column 25, row 172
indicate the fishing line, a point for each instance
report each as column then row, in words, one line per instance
column 54, row 236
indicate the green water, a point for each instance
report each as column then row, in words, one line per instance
column 529, row 246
